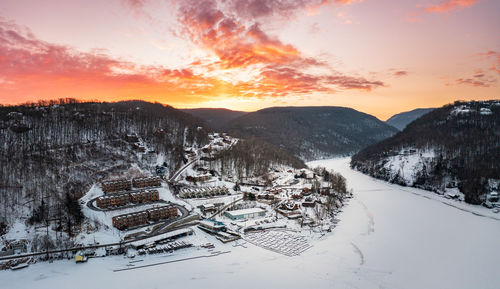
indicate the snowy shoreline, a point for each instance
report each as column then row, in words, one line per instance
column 476, row 210
column 388, row 236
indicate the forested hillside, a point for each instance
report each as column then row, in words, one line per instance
column 215, row 118
column 457, row 145
column 252, row 157
column 52, row 152
column 312, row 132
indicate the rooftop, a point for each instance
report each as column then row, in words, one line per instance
column 161, row 237
column 212, row 223
column 246, row 211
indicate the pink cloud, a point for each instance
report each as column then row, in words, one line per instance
column 250, row 9
column 495, row 66
column 482, row 77
column 400, row 73
column 473, row 82
column 135, row 3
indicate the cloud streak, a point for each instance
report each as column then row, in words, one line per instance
column 449, row 5
column 400, row 73
column 442, row 7
column 251, row 9
column 491, row 55
column 473, row 82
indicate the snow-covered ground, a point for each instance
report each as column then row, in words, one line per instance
column 388, row 237
column 408, row 164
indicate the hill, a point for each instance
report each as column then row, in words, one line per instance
column 53, row 152
column 452, row 148
column 312, row 132
column 216, row 118
column 401, row 120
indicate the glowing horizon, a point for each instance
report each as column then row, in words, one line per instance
column 379, row 57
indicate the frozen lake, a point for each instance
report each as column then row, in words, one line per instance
column 388, row 237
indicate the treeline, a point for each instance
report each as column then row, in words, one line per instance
column 335, row 180
column 53, row 151
column 51, row 102
column 465, row 138
column 336, row 196
column 252, row 158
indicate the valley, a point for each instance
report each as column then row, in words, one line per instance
column 213, row 144
column 388, row 236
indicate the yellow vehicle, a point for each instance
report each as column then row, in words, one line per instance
column 80, row 258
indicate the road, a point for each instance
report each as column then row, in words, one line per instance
column 161, row 230
column 225, row 207
column 176, row 174
column 168, row 225
column 197, row 158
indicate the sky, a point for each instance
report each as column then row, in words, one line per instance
column 381, row 57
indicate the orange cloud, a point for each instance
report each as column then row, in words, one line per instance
column 234, row 43
column 246, row 61
column 444, row 7
column 449, row 5
column 239, row 43
column 31, row 68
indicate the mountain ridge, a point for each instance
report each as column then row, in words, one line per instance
column 54, row 151
column 312, row 131
column 402, row 119
column 216, row 118
column 455, row 146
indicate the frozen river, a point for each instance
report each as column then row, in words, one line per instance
column 388, row 237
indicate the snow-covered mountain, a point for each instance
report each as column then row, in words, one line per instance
column 456, row 147
column 401, row 120
column 52, row 152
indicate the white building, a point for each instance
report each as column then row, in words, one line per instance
column 245, row 213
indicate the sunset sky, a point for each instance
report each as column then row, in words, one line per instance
column 377, row 56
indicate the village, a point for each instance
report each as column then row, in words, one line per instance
column 198, row 207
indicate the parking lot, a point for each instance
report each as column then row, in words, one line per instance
column 279, row 241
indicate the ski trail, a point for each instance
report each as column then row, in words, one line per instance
column 371, row 219
column 360, row 253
